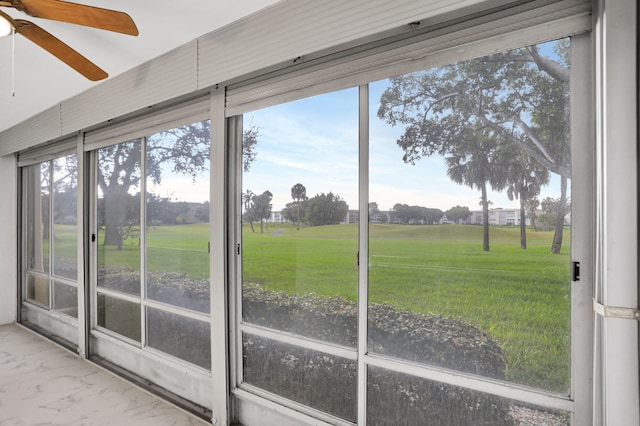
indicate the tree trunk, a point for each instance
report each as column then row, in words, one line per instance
column 485, row 218
column 114, row 215
column 523, row 224
column 532, row 217
column 556, row 246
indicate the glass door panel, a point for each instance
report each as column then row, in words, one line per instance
column 177, row 242
column 299, row 247
column 119, row 217
column 119, row 315
column 469, row 217
column 177, row 217
column 425, row 402
column 118, row 242
column 153, row 281
column 50, row 241
column 37, row 213
column 65, row 218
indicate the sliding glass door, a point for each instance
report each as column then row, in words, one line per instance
column 50, row 296
column 151, row 244
column 452, row 303
column 299, row 247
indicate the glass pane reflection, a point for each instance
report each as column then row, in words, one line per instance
column 300, row 215
column 182, row 337
column 65, row 243
column 177, row 208
column 120, row 316
column 467, row 269
column 65, row 299
column 319, row 380
column 119, row 217
column 37, row 222
column 38, row 290
column 395, row 398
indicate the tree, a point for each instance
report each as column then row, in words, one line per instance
column 457, row 213
column 433, row 215
column 520, row 95
column 406, row 214
column 249, row 145
column 471, row 163
column 549, row 216
column 373, row 210
column 531, row 206
column 299, row 195
column 524, row 180
column 118, row 175
column 184, row 149
column 260, row 208
column 326, row 209
column 202, row 212
column 160, row 210
column 247, row 197
column 291, row 210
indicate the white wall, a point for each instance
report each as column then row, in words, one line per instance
column 617, row 103
column 8, row 254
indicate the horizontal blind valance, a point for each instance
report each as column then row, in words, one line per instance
column 47, row 152
column 477, row 35
column 154, row 122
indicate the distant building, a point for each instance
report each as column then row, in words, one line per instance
column 277, row 217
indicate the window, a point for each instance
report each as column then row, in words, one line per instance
column 456, row 293
column 152, row 219
column 300, row 273
column 50, row 221
column 449, row 142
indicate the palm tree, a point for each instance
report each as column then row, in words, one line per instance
column 470, row 163
column 299, row 194
column 247, row 198
column 524, row 178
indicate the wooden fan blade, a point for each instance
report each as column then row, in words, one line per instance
column 88, row 16
column 60, row 50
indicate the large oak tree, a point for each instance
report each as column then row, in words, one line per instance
column 521, row 95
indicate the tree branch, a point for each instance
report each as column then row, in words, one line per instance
column 550, row 164
column 551, row 67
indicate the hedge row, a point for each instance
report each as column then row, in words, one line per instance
column 425, row 338
column 168, row 287
column 329, row 383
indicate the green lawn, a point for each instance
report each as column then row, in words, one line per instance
column 180, row 248
column 520, row 297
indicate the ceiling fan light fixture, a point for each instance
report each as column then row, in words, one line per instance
column 5, row 27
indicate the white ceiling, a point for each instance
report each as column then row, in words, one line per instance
column 40, row 81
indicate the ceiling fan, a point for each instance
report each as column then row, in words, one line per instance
column 73, row 13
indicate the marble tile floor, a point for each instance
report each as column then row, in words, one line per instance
column 44, row 384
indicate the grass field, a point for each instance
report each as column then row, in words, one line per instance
column 520, row 297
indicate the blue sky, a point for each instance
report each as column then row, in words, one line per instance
column 314, row 141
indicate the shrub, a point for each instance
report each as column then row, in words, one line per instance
column 168, row 287
column 328, row 382
column 394, row 398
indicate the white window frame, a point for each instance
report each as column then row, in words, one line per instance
column 251, row 403
column 56, row 324
column 188, row 382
